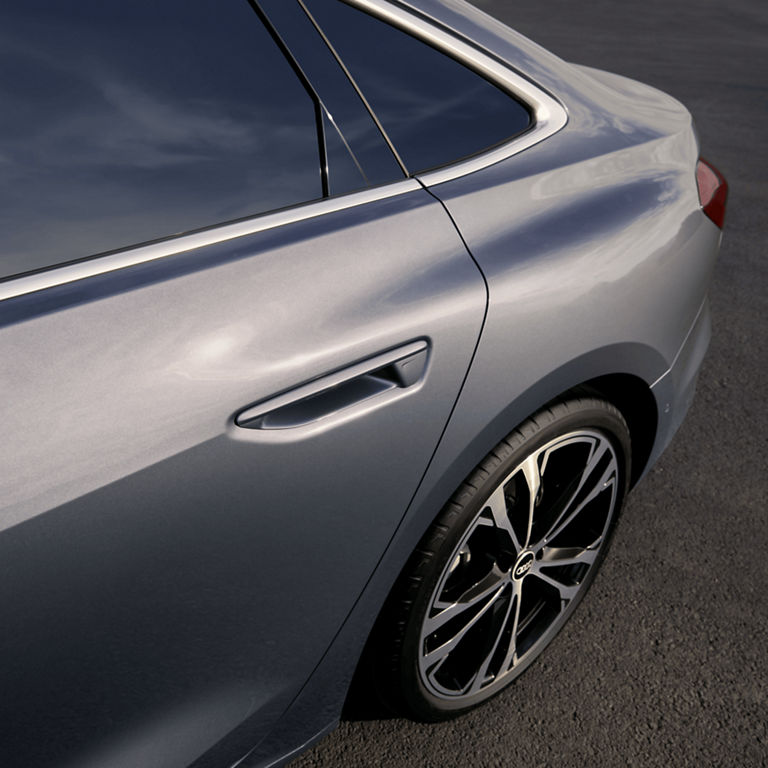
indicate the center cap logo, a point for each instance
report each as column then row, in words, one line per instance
column 523, row 565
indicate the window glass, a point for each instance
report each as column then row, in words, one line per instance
column 358, row 154
column 434, row 109
column 344, row 172
column 127, row 122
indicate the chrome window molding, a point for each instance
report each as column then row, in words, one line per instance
column 129, row 257
column 548, row 114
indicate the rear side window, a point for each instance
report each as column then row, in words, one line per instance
column 434, row 109
column 127, row 122
column 357, row 153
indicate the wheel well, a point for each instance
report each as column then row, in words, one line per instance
column 633, row 397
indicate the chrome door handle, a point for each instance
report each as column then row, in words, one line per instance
column 401, row 368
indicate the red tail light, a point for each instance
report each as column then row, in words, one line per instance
column 713, row 191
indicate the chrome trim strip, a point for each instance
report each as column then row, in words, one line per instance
column 549, row 115
column 99, row 265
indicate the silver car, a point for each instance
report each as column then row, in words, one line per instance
column 333, row 336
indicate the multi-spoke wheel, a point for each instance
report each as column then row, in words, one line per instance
column 508, row 559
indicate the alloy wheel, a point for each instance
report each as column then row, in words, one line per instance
column 520, row 566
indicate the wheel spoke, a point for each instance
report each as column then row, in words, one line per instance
column 514, row 609
column 532, row 475
column 607, row 479
column 471, row 598
column 441, row 652
column 497, row 503
column 561, row 556
column 510, row 657
column 567, row 591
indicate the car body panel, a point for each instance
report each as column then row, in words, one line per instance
column 170, row 536
column 187, row 591
column 600, row 220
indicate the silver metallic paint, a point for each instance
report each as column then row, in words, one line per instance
column 596, row 258
column 99, row 265
column 627, row 151
column 125, row 480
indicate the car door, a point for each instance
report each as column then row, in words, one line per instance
column 209, row 439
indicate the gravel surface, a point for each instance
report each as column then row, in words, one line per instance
column 665, row 661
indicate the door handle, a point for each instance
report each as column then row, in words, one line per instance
column 400, row 368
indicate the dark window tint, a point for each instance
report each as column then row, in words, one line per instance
column 345, row 174
column 434, row 109
column 357, row 152
column 128, row 122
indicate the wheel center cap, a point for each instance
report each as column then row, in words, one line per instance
column 523, row 565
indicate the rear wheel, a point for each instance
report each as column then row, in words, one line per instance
column 506, row 562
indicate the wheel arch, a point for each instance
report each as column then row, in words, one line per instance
column 634, row 399
column 623, row 374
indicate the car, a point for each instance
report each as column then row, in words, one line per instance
column 333, row 337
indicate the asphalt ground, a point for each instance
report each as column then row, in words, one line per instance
column 665, row 663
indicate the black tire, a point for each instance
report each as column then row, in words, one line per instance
column 504, row 589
